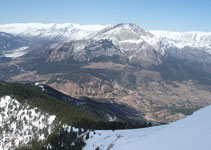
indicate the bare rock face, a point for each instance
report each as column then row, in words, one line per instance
column 146, row 58
column 83, row 50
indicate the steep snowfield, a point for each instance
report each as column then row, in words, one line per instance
column 191, row 133
column 20, row 124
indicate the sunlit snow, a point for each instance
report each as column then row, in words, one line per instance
column 191, row 133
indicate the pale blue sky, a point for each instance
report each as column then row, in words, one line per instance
column 175, row 15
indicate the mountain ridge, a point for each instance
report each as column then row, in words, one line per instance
column 127, row 37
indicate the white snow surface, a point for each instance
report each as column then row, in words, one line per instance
column 190, row 133
column 20, row 124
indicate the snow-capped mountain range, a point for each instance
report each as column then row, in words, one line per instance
column 121, row 33
column 66, row 31
column 128, row 41
column 182, row 39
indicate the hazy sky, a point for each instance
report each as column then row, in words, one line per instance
column 176, row 15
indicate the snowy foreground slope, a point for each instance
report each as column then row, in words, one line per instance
column 191, row 133
column 20, row 124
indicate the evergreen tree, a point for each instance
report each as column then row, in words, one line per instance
column 87, row 136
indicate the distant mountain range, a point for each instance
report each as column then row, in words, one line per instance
column 67, row 31
column 129, row 39
column 70, row 31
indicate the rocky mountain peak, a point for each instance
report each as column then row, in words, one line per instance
column 122, row 32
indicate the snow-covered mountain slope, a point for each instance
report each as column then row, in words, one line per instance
column 192, row 132
column 184, row 39
column 123, row 32
column 66, row 31
column 129, row 38
column 20, row 124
